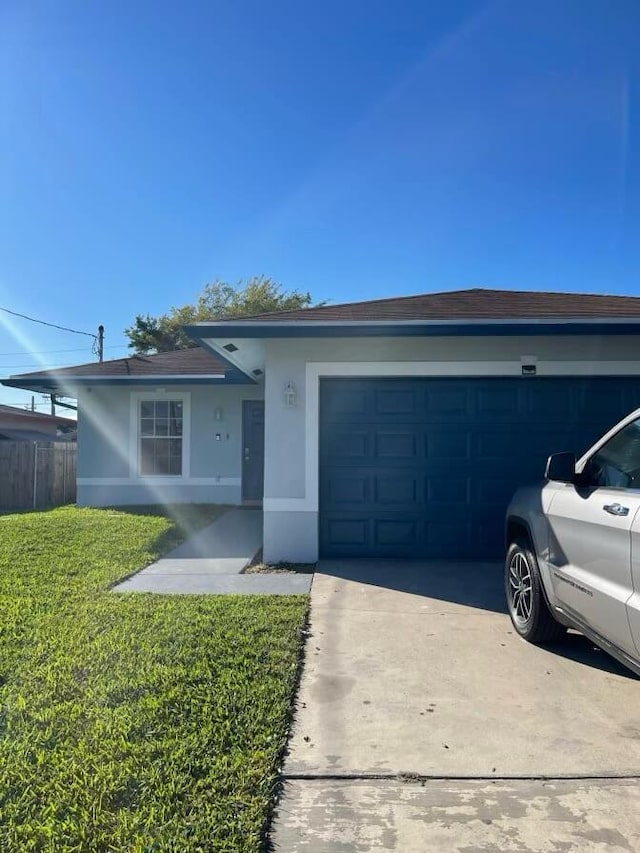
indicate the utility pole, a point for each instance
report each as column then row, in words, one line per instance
column 100, row 342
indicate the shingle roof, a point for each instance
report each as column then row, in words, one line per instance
column 33, row 417
column 34, row 435
column 188, row 362
column 476, row 303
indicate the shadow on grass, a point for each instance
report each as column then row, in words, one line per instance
column 187, row 520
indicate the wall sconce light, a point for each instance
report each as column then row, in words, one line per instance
column 218, row 413
column 290, row 395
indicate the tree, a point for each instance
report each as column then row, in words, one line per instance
column 218, row 300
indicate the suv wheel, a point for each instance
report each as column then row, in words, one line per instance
column 528, row 608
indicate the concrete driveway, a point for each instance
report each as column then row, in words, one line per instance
column 424, row 723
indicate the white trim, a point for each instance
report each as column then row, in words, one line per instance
column 470, row 368
column 134, row 443
column 158, row 481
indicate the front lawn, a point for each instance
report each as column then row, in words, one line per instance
column 133, row 722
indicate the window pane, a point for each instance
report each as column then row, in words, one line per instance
column 175, row 464
column 161, row 457
column 146, row 456
column 160, row 454
column 617, row 463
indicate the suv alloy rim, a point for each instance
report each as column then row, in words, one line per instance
column 520, row 588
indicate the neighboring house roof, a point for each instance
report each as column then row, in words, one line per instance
column 476, row 303
column 32, row 419
column 34, row 435
column 191, row 365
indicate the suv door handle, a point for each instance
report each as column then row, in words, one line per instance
column 616, row 509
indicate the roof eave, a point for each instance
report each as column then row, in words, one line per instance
column 413, row 328
column 67, row 384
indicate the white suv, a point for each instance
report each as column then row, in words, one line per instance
column 573, row 547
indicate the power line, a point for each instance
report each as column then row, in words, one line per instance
column 51, row 351
column 24, row 406
column 44, row 323
column 38, row 364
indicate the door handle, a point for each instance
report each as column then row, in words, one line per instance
column 246, row 454
column 616, row 509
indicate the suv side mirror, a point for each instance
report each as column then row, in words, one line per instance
column 561, row 467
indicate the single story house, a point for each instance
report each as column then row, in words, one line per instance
column 24, row 425
column 394, row 427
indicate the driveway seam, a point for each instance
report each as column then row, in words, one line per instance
column 437, row 777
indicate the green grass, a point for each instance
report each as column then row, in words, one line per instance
column 133, row 722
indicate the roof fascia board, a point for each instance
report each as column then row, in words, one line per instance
column 68, row 382
column 410, row 328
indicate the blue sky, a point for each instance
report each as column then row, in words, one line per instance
column 352, row 149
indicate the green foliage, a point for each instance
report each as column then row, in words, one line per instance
column 219, row 300
column 133, row 722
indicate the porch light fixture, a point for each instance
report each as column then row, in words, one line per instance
column 218, row 413
column 290, row 395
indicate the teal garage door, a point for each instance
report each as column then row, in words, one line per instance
column 426, row 467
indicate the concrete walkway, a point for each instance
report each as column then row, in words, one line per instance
column 424, row 724
column 212, row 561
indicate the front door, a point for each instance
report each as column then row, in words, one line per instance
column 252, row 450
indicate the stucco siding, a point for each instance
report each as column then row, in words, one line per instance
column 106, row 447
column 103, row 494
column 103, row 432
column 291, row 537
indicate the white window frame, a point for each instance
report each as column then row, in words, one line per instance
column 136, row 398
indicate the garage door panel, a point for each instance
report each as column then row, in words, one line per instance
column 447, row 490
column 342, row 444
column 347, row 532
column 494, row 404
column 445, row 535
column 537, row 406
column 403, row 401
column 496, row 492
column 425, row 467
column 396, row 488
column 344, row 488
column 446, row 401
column 347, row 403
column 402, row 445
column 399, row 531
column 454, row 443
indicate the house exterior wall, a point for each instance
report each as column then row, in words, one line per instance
column 291, row 434
column 107, row 446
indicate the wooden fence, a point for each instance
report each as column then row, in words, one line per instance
column 35, row 475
